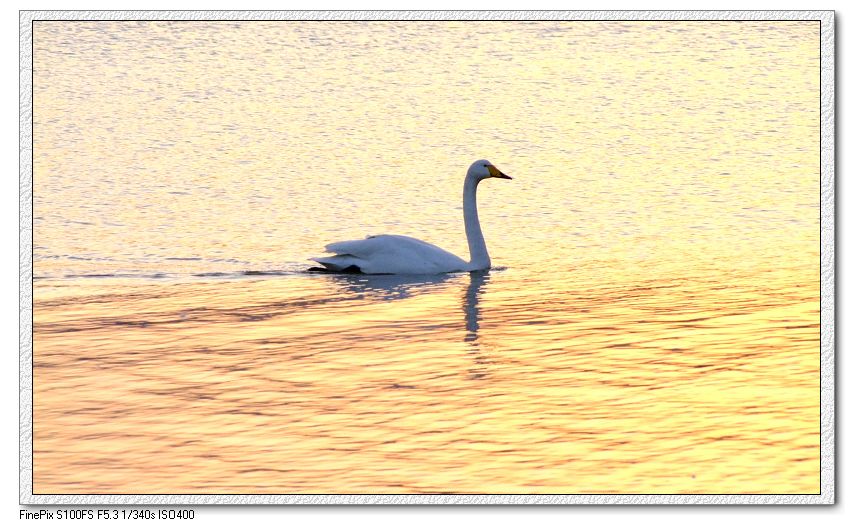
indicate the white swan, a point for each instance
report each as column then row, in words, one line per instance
column 398, row 254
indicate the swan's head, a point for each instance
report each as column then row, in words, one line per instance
column 483, row 169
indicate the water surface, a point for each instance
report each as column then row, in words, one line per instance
column 651, row 326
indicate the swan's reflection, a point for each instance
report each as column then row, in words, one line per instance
column 392, row 287
column 395, row 287
column 471, row 300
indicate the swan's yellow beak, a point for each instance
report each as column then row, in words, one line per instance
column 495, row 172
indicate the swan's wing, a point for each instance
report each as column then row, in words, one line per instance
column 375, row 244
column 366, row 247
column 391, row 254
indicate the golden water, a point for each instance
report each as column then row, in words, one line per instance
column 651, row 324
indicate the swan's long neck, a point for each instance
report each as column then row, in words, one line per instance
column 477, row 245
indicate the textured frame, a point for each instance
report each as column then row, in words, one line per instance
column 827, row 259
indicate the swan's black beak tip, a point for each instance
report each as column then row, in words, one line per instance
column 503, row 176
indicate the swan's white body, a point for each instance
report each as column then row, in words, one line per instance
column 398, row 254
column 391, row 254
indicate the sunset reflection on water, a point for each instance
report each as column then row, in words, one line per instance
column 651, row 324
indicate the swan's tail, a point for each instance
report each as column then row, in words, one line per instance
column 339, row 263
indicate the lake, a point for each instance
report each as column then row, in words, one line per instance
column 650, row 324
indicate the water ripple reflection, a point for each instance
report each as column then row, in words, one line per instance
column 652, row 326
